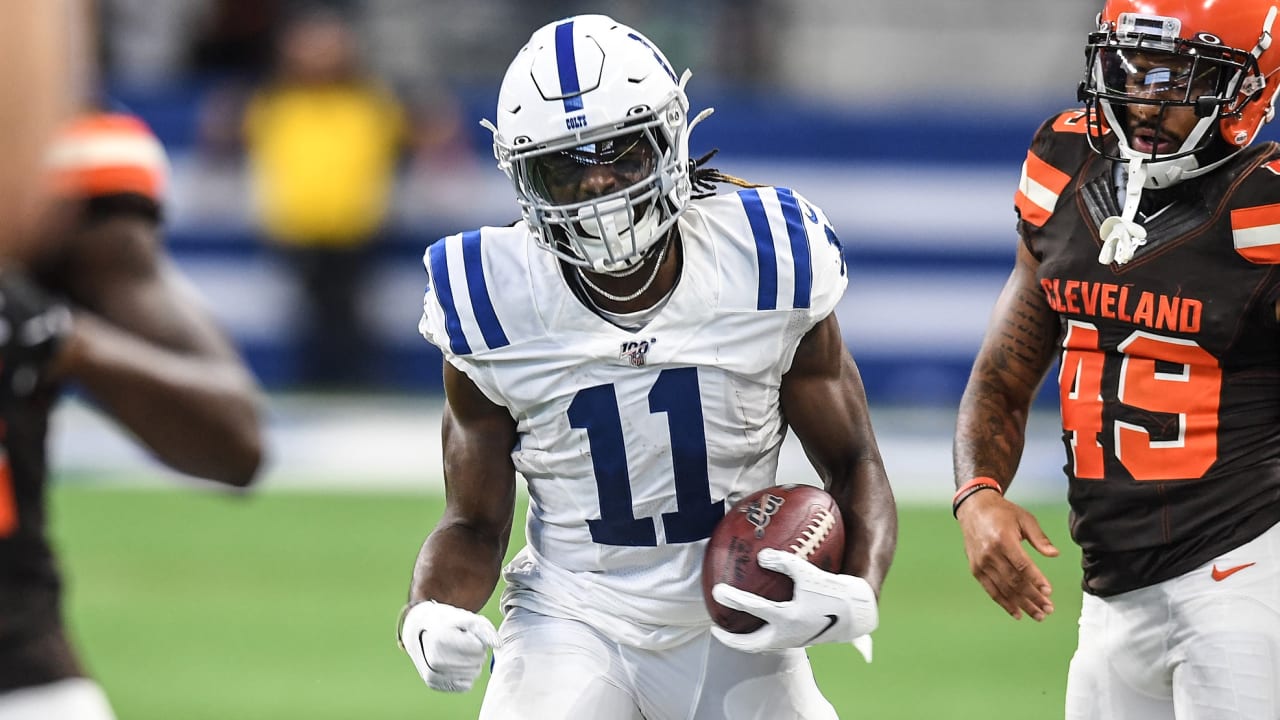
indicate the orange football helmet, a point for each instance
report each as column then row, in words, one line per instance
column 1216, row 56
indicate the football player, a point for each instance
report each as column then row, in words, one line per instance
column 637, row 353
column 1149, row 268
column 98, row 302
column 39, row 55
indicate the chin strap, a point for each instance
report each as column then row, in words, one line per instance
column 1121, row 235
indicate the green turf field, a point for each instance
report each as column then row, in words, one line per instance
column 198, row 605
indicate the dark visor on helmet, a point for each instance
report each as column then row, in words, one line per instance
column 632, row 158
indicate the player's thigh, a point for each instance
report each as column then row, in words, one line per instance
column 766, row 686
column 1119, row 669
column 1228, row 638
column 718, row 683
column 78, row 698
column 555, row 669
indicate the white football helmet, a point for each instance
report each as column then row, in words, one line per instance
column 588, row 90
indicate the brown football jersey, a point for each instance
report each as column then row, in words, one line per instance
column 102, row 163
column 1170, row 369
column 33, row 649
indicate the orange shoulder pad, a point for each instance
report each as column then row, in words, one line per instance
column 1080, row 121
column 107, row 154
column 1038, row 190
column 1255, row 216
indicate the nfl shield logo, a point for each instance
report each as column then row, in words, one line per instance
column 635, row 351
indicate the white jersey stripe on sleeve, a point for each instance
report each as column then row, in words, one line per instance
column 457, row 269
column 438, row 262
column 802, row 264
column 107, row 150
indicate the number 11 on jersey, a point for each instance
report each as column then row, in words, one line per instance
column 675, row 393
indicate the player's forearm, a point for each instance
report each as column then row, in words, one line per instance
column 990, row 432
column 459, row 564
column 1019, row 347
column 198, row 413
column 871, row 524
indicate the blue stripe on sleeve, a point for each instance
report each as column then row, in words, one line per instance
column 444, row 293
column 834, row 241
column 478, row 289
column 567, row 65
column 767, row 292
column 803, row 265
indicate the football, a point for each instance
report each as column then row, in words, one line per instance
column 801, row 519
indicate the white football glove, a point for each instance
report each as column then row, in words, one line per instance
column 827, row 607
column 447, row 644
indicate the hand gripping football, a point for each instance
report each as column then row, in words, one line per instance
column 801, row 519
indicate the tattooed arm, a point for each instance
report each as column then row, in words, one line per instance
column 1017, row 351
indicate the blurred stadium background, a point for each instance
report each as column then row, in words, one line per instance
column 906, row 122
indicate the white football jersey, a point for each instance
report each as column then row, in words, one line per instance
column 633, row 444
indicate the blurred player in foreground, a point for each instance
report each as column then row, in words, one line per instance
column 40, row 67
column 97, row 302
column 637, row 353
column 1150, row 268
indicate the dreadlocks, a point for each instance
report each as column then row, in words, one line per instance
column 705, row 179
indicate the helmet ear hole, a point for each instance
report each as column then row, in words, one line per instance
column 666, row 183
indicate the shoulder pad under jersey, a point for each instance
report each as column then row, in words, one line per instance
column 478, row 296
column 775, row 250
column 1058, row 150
column 1254, row 207
column 105, row 154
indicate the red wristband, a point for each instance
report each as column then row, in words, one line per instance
column 975, row 485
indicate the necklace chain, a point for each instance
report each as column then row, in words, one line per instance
column 662, row 255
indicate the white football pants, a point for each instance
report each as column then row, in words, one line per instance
column 555, row 669
column 1202, row 646
column 71, row 699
